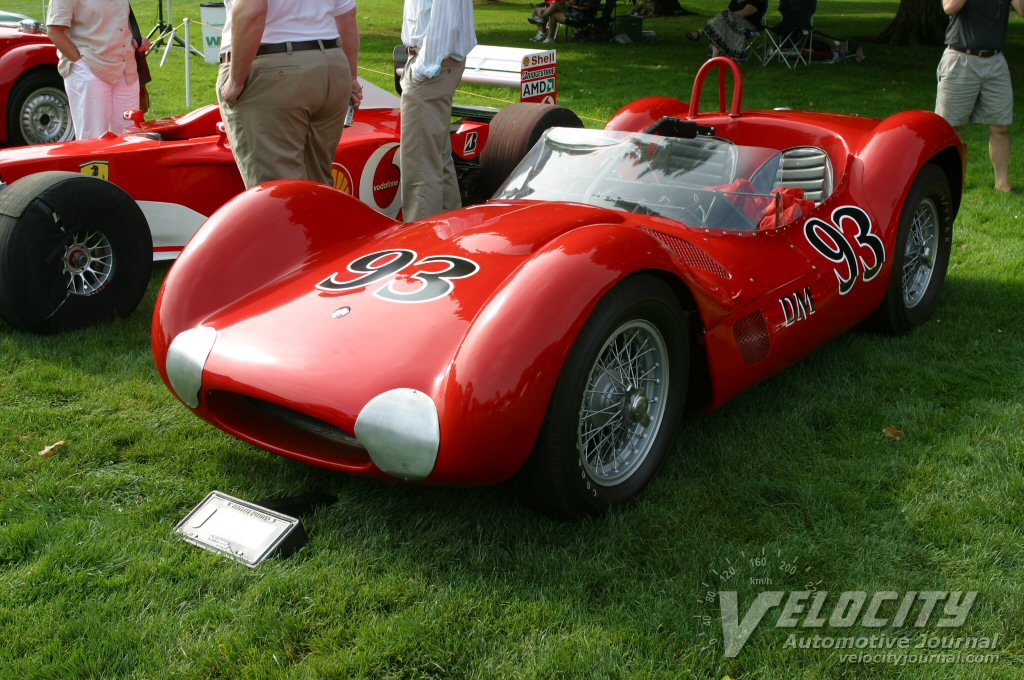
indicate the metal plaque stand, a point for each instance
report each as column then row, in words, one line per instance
column 241, row 530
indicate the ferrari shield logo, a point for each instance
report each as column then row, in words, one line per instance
column 341, row 178
column 99, row 169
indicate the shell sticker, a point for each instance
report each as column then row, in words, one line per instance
column 342, row 178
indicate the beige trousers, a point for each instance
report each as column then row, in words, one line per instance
column 429, row 184
column 289, row 118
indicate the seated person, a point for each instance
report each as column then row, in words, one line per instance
column 540, row 13
column 796, row 16
column 826, row 48
column 547, row 17
column 729, row 31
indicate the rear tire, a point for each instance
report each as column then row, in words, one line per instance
column 74, row 251
column 513, row 132
column 921, row 258
column 614, row 411
column 38, row 111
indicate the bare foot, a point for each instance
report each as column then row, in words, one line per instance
column 1006, row 188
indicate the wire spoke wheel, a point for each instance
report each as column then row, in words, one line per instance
column 88, row 262
column 611, row 420
column 623, row 402
column 919, row 254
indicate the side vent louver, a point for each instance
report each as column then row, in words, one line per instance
column 751, row 333
column 691, row 255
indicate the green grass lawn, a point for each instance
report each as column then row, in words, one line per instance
column 411, row 582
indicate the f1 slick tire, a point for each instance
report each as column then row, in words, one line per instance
column 923, row 246
column 513, row 132
column 74, row 251
column 38, row 111
column 611, row 420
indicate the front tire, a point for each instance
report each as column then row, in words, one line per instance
column 611, row 419
column 74, row 251
column 38, row 111
column 923, row 246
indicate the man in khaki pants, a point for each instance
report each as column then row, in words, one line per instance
column 284, row 85
column 439, row 34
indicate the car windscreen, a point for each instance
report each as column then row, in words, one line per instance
column 704, row 181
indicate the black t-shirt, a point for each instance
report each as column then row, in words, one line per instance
column 796, row 16
column 979, row 25
column 756, row 18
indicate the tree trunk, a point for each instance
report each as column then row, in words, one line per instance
column 917, row 22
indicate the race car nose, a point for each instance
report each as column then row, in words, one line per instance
column 400, row 430
column 186, row 358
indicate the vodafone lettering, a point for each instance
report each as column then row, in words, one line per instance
column 378, row 183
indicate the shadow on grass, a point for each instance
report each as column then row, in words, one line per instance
column 799, row 464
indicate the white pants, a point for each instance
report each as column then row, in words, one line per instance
column 96, row 105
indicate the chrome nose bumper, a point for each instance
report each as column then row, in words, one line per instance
column 186, row 358
column 401, row 432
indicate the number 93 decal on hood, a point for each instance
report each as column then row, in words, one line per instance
column 402, row 275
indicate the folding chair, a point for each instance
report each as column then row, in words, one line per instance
column 590, row 18
column 755, row 40
column 791, row 39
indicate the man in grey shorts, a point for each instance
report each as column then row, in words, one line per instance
column 974, row 79
column 284, row 85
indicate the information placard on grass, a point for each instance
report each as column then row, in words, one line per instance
column 241, row 530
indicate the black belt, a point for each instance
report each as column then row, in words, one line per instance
column 447, row 61
column 974, row 53
column 281, row 48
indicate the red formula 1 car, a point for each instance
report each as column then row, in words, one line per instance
column 35, row 105
column 618, row 278
column 75, row 250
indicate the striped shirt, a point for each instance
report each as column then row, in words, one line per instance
column 438, row 29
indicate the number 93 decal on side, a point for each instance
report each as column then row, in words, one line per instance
column 423, row 280
column 860, row 256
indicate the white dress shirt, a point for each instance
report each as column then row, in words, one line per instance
column 438, row 29
column 294, row 20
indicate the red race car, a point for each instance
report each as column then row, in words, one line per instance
column 617, row 279
column 75, row 250
column 36, row 106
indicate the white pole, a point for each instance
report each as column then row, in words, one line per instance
column 188, row 70
column 169, row 35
